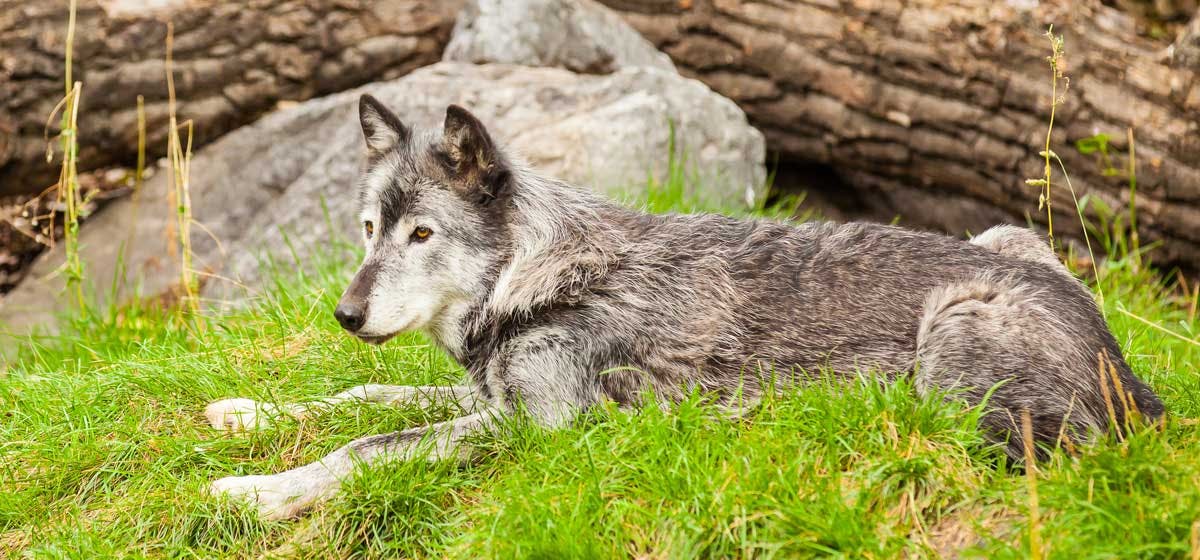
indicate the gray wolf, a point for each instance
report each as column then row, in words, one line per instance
column 554, row 299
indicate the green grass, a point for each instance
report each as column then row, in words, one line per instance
column 104, row 452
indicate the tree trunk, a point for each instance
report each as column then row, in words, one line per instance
column 233, row 61
column 937, row 111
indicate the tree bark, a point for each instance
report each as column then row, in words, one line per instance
column 233, row 61
column 937, row 111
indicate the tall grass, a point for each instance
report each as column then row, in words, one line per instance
column 1056, row 60
column 139, row 177
column 1031, row 474
column 180, row 197
column 68, row 193
column 1132, row 167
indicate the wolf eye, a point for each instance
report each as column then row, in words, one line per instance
column 421, row 233
column 369, row 228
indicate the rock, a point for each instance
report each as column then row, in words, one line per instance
column 579, row 35
column 265, row 188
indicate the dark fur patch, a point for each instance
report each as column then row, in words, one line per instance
column 394, row 203
column 384, row 441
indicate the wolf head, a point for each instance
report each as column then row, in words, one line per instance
column 432, row 212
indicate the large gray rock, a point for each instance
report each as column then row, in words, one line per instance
column 579, row 35
column 269, row 180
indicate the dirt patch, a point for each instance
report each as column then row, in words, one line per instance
column 965, row 528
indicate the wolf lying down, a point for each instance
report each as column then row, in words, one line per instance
column 554, row 299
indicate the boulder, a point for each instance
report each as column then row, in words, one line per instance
column 265, row 190
column 578, row 35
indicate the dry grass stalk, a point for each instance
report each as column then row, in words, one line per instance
column 1035, row 522
column 180, row 192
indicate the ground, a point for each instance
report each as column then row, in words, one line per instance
column 104, row 451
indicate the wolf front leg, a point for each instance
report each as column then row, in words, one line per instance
column 288, row 494
column 539, row 374
column 247, row 414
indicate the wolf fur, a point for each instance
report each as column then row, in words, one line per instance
column 554, row 299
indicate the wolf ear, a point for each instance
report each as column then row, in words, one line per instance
column 381, row 127
column 472, row 154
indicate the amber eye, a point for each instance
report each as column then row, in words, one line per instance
column 421, row 233
column 369, row 228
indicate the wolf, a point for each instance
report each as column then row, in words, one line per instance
column 554, row 299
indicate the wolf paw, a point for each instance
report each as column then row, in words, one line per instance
column 275, row 497
column 238, row 415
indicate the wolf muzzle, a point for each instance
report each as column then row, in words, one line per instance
column 351, row 310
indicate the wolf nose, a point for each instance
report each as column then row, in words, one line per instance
column 350, row 316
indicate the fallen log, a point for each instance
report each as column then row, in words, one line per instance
column 233, row 62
